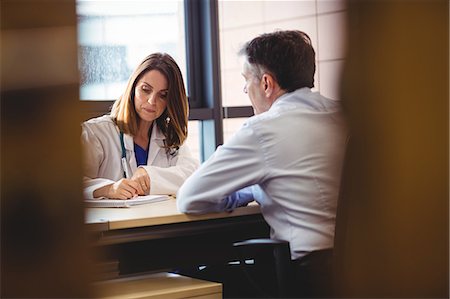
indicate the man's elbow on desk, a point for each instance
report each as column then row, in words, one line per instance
column 195, row 203
column 190, row 203
column 183, row 205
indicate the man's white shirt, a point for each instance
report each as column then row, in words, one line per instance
column 289, row 160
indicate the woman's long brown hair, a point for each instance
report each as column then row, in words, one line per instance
column 173, row 121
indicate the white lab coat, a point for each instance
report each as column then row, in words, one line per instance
column 102, row 158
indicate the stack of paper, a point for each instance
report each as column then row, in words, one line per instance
column 124, row 203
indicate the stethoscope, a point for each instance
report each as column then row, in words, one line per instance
column 126, row 169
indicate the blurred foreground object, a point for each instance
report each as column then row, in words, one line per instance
column 43, row 246
column 395, row 92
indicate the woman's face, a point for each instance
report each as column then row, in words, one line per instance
column 150, row 95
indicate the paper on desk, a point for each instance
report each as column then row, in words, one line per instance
column 124, row 203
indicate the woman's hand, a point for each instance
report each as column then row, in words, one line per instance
column 142, row 178
column 122, row 189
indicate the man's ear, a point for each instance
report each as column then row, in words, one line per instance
column 267, row 82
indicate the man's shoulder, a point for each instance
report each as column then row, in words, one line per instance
column 262, row 118
column 305, row 100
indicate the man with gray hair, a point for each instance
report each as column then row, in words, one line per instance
column 288, row 157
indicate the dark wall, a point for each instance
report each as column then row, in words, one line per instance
column 43, row 248
column 395, row 89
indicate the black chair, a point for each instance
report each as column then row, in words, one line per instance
column 272, row 272
column 275, row 254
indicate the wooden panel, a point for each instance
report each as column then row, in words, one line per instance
column 37, row 13
column 158, row 286
column 43, row 248
column 395, row 92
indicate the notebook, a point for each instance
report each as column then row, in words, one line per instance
column 120, row 203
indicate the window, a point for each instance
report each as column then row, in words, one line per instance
column 115, row 35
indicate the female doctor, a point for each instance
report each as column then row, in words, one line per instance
column 139, row 148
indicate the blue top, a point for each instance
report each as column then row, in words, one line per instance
column 141, row 155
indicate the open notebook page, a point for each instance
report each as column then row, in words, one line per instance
column 124, row 203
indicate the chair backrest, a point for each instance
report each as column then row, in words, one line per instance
column 273, row 253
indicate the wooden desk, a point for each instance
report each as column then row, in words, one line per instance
column 157, row 237
column 162, row 212
column 158, row 286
